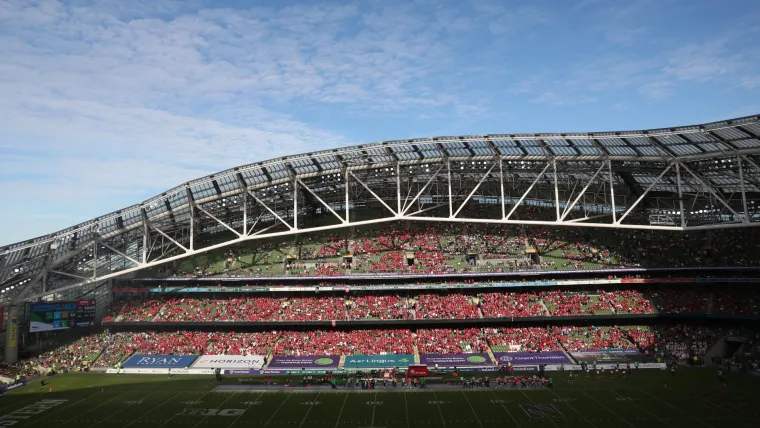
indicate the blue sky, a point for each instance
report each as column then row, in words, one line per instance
column 106, row 103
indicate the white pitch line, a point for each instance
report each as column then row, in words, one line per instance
column 506, row 410
column 473, row 409
column 534, row 403
column 643, row 409
column 374, row 406
column 708, row 403
column 341, row 410
column 309, row 411
column 220, row 405
column 439, row 410
column 67, row 407
column 246, row 409
column 406, row 411
column 677, row 408
column 573, row 408
column 116, row 412
column 185, row 408
column 278, row 409
column 151, row 410
column 607, row 408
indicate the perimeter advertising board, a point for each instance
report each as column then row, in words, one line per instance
column 291, row 362
column 229, row 362
column 159, row 361
column 456, row 360
column 377, row 361
column 606, row 355
column 531, row 358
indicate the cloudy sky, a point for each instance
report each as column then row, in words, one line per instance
column 106, row 103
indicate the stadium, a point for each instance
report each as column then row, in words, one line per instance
column 432, row 281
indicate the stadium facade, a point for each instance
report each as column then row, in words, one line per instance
column 689, row 178
column 684, row 178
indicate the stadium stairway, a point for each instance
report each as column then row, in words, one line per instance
column 543, row 305
column 493, row 357
column 342, row 362
column 718, row 350
column 416, row 354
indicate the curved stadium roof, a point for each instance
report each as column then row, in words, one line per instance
column 29, row 265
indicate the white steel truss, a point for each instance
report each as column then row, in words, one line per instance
column 703, row 177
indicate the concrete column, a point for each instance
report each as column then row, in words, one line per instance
column 12, row 335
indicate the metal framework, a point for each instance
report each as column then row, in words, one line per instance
column 679, row 179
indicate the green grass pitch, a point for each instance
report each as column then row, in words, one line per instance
column 694, row 398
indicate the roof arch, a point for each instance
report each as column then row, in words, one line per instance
column 27, row 264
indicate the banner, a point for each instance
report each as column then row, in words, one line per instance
column 377, row 361
column 281, row 372
column 159, row 361
column 521, row 358
column 417, row 371
column 292, row 362
column 458, row 360
column 161, row 371
column 229, row 362
column 605, row 354
column 13, row 333
column 12, row 386
column 605, row 366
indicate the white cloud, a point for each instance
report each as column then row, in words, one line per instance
column 657, row 90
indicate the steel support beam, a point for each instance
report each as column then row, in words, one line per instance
column 524, row 195
column 430, row 180
column 201, row 209
column 477, row 186
column 709, row 188
column 583, row 192
column 321, row 201
column 651, row 185
column 556, row 188
column 120, row 253
column 744, row 192
column 270, row 210
column 373, row 193
column 612, row 192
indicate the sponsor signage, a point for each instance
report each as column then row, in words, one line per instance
column 12, row 332
column 229, row 362
column 159, row 361
column 6, row 388
column 280, row 372
column 377, row 361
column 161, row 371
column 292, row 362
column 521, row 358
column 455, row 360
column 604, row 366
column 418, row 371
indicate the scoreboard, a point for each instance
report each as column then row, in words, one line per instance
column 61, row 315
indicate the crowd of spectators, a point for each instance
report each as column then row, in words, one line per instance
column 335, row 342
column 525, row 339
column 737, row 300
column 570, row 303
column 427, row 305
column 451, row 341
column 435, row 306
column 505, row 305
column 593, row 338
column 680, row 300
column 666, row 343
column 440, row 248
